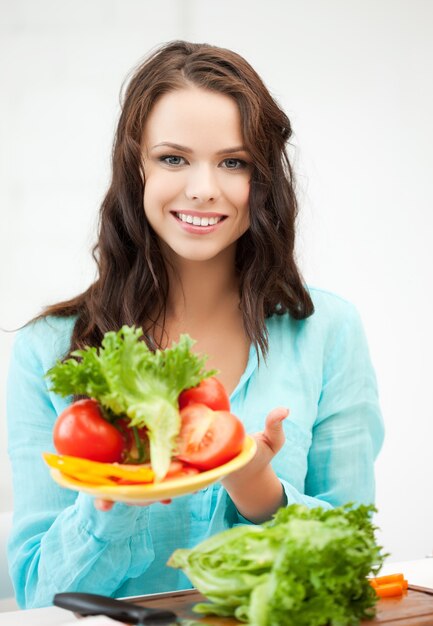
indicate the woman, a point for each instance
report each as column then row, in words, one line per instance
column 197, row 234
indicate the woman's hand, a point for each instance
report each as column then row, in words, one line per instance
column 255, row 489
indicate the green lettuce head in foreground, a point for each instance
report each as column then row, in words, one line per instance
column 306, row 567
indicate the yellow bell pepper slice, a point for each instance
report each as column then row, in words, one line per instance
column 94, row 472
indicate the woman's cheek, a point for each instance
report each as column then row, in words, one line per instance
column 157, row 191
column 240, row 196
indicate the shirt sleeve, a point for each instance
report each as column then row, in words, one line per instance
column 348, row 432
column 97, row 550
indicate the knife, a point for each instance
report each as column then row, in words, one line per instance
column 92, row 604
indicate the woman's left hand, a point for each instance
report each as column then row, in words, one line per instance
column 255, row 489
column 269, row 443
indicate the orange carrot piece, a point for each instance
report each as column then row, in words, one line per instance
column 389, row 590
column 390, row 578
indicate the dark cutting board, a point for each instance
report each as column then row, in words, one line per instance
column 415, row 608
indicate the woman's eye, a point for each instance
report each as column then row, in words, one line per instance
column 171, row 159
column 234, row 164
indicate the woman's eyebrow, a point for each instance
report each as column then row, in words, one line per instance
column 177, row 146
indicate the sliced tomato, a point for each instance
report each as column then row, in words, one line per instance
column 210, row 392
column 177, row 469
column 209, row 438
column 81, row 430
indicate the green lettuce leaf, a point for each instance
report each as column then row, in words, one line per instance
column 306, row 567
column 128, row 379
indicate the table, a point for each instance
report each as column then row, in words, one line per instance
column 413, row 609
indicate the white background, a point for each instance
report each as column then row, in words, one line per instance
column 355, row 77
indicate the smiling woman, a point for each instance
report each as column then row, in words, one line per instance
column 197, row 236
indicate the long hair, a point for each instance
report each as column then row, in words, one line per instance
column 132, row 280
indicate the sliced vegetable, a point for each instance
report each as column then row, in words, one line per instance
column 98, row 473
column 389, row 578
column 82, row 431
column 389, row 585
column 176, row 470
column 91, row 472
column 389, row 590
column 210, row 392
column 208, row 438
column 129, row 380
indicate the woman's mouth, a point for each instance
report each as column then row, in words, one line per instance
column 197, row 221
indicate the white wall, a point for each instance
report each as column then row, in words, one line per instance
column 355, row 78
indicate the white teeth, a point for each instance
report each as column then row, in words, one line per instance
column 198, row 221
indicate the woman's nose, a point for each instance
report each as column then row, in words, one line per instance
column 202, row 185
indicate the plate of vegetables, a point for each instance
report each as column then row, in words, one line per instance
column 147, row 425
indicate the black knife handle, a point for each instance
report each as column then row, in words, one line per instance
column 93, row 604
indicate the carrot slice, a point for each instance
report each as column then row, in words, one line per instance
column 390, row 578
column 389, row 590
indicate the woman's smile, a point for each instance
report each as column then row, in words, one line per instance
column 200, row 223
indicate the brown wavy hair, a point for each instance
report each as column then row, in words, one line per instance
column 132, row 280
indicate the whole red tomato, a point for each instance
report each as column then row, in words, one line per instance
column 81, row 430
column 210, row 392
column 208, row 438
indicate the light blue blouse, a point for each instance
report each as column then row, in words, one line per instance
column 318, row 367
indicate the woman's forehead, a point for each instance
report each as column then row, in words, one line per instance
column 194, row 115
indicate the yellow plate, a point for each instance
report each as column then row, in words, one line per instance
column 167, row 489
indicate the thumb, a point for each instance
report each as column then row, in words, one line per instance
column 274, row 420
column 273, row 432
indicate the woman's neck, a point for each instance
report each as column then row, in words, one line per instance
column 202, row 291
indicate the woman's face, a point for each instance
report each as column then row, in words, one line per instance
column 197, row 173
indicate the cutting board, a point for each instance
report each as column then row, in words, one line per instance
column 415, row 608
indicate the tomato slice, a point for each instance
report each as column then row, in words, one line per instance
column 177, row 469
column 210, row 392
column 209, row 438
